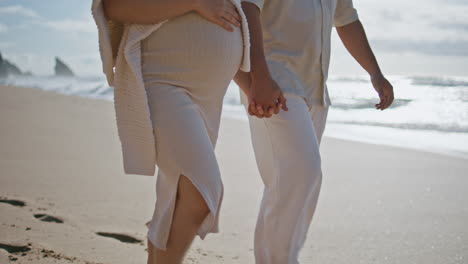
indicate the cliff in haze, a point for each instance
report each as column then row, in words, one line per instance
column 61, row 69
column 7, row 68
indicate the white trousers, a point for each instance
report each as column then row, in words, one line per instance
column 287, row 153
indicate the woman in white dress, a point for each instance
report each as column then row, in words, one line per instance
column 186, row 65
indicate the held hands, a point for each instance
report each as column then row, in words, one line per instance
column 220, row 12
column 384, row 89
column 264, row 95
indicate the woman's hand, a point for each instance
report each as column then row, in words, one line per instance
column 220, row 12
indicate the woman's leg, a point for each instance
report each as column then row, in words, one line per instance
column 189, row 188
column 185, row 101
column 190, row 211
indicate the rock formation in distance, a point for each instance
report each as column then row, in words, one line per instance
column 7, row 68
column 3, row 71
column 61, row 69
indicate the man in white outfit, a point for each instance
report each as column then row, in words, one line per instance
column 290, row 55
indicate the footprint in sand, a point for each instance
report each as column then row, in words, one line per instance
column 121, row 237
column 12, row 249
column 13, row 202
column 42, row 217
column 48, row 218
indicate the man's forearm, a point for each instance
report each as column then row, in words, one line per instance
column 146, row 11
column 355, row 40
column 257, row 55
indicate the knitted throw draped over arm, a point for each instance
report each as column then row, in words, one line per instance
column 119, row 46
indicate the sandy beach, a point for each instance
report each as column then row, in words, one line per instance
column 65, row 199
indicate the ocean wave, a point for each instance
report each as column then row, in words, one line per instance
column 87, row 86
column 350, row 103
column 414, row 80
column 348, row 79
column 364, row 103
column 439, row 81
column 414, row 126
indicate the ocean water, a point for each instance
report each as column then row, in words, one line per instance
column 430, row 113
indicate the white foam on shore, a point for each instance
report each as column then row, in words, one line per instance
column 447, row 143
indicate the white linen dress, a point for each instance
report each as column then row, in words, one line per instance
column 187, row 65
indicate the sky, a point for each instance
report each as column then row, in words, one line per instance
column 416, row 37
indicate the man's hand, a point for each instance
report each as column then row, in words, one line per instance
column 384, row 89
column 355, row 40
column 266, row 97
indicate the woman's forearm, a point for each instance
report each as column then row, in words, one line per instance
column 146, row 11
column 355, row 40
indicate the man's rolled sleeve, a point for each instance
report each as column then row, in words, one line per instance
column 258, row 3
column 345, row 13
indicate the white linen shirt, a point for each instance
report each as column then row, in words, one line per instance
column 297, row 42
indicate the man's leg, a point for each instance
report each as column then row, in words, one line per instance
column 287, row 152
